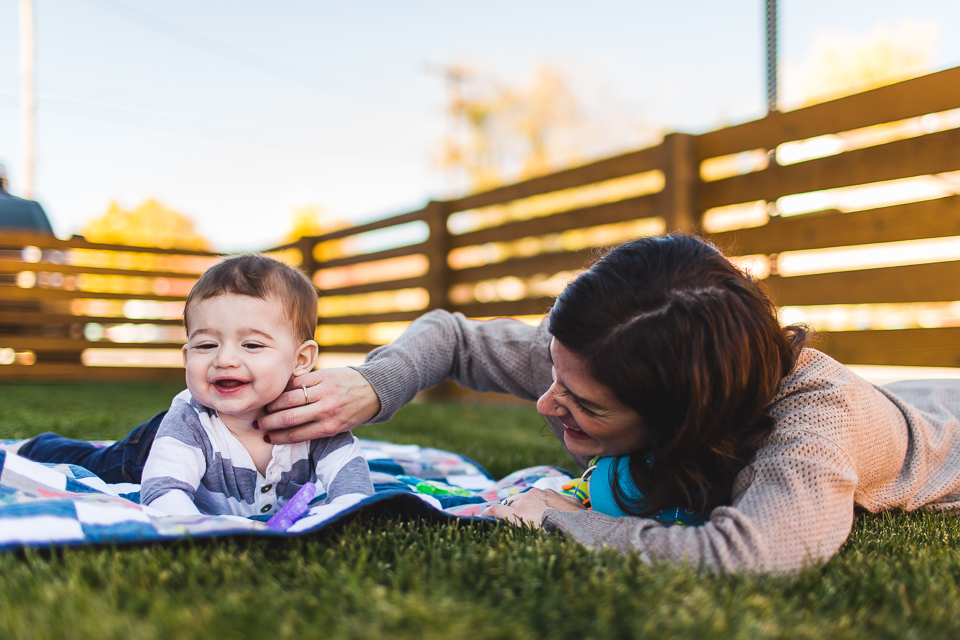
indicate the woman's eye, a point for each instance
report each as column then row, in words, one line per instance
column 583, row 408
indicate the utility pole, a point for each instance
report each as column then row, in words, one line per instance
column 27, row 104
column 772, row 75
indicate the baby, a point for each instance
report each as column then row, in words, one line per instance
column 250, row 324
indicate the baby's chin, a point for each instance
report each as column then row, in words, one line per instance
column 224, row 407
column 250, row 415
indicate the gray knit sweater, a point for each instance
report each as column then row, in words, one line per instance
column 839, row 443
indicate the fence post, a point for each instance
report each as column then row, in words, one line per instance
column 308, row 264
column 681, row 172
column 435, row 215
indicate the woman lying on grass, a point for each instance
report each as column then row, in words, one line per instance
column 669, row 364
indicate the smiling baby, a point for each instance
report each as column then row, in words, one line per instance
column 250, row 324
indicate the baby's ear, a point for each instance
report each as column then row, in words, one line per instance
column 306, row 357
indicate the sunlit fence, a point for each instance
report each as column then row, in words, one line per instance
column 849, row 210
column 74, row 310
column 854, row 216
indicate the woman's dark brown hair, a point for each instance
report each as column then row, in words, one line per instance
column 692, row 344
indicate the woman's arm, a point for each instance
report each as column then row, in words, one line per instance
column 793, row 507
column 501, row 355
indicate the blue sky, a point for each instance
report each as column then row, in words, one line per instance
column 234, row 112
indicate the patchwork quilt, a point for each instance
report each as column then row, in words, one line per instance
column 43, row 505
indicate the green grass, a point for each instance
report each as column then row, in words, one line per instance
column 897, row 577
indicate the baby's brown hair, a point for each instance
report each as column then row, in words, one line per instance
column 261, row 277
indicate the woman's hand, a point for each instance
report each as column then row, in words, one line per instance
column 320, row 404
column 527, row 508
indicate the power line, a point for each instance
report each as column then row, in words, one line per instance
column 218, row 48
column 83, row 110
column 226, row 51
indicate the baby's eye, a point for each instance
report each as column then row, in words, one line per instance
column 204, row 346
column 253, row 346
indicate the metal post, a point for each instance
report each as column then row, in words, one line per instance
column 27, row 105
column 772, row 76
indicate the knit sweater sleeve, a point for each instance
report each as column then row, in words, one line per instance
column 501, row 355
column 793, row 507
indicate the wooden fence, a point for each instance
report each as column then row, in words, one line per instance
column 848, row 209
column 75, row 310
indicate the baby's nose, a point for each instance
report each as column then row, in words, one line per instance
column 227, row 356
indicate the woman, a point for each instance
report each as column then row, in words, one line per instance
column 667, row 355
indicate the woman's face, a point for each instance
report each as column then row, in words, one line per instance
column 594, row 421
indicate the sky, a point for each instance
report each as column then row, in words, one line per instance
column 235, row 112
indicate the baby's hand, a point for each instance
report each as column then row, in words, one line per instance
column 319, row 404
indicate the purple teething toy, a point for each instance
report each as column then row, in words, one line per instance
column 294, row 509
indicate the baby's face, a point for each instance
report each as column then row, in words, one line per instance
column 240, row 354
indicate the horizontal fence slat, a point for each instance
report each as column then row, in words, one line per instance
column 938, row 282
column 549, row 263
column 16, row 266
column 374, row 287
column 362, row 258
column 16, row 293
column 616, row 167
column 929, row 154
column 916, row 97
column 41, row 344
column 613, row 212
column 938, row 347
column 370, row 318
column 78, row 242
column 914, row 221
column 450, row 391
column 506, row 308
column 348, row 348
column 79, row 373
column 376, row 225
column 47, row 319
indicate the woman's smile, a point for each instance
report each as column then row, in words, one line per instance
column 574, row 432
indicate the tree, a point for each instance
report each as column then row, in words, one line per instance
column 499, row 133
column 150, row 224
column 306, row 220
column 842, row 64
column 309, row 220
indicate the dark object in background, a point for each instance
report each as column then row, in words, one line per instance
column 18, row 215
